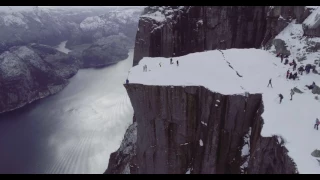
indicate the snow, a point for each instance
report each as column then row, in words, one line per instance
column 293, row 120
column 188, row 172
column 203, row 123
column 246, row 147
column 10, row 20
column 11, row 66
column 184, row 144
column 62, row 47
column 157, row 16
column 91, row 23
column 111, row 20
column 313, row 18
column 292, row 35
column 200, row 142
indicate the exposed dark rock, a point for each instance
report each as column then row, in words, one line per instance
column 280, row 46
column 313, row 46
column 182, row 129
column 120, row 160
column 316, row 90
column 188, row 29
column 295, row 89
column 316, row 153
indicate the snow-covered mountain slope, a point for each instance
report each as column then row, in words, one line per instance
column 22, row 25
column 112, row 22
column 302, row 48
column 236, row 71
column 311, row 25
column 32, row 72
column 116, row 17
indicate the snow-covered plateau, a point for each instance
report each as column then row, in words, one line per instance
column 236, row 71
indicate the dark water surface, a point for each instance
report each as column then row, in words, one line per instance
column 73, row 131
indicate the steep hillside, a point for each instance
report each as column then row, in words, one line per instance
column 28, row 73
column 112, row 22
column 21, row 25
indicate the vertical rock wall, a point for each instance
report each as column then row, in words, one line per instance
column 180, row 129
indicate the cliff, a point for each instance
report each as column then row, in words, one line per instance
column 193, row 130
column 181, row 127
column 166, row 31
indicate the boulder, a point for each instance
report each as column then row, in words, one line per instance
column 316, row 90
column 295, row 89
column 316, row 153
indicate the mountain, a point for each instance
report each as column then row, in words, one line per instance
column 120, row 20
column 105, row 51
column 213, row 112
column 30, row 69
column 32, row 72
column 24, row 25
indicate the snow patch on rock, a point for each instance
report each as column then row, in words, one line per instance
column 10, row 20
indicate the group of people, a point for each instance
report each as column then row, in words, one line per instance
column 171, row 62
column 290, row 75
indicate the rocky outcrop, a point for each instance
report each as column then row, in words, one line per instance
column 278, row 17
column 166, row 31
column 316, row 90
column 28, row 73
column 193, row 130
column 120, row 160
column 311, row 26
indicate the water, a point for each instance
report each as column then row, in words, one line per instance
column 62, row 47
column 73, row 131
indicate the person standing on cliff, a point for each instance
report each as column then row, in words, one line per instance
column 281, row 97
column 171, row 61
column 177, row 63
column 317, row 124
column 288, row 73
column 286, row 62
column 270, row 83
column 160, row 64
column 127, row 81
column 294, row 66
column 281, row 56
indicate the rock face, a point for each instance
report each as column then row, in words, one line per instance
column 193, row 130
column 28, row 73
column 311, row 26
column 165, row 31
column 316, row 90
